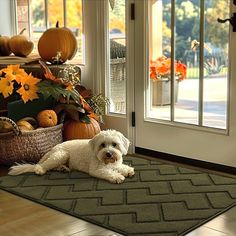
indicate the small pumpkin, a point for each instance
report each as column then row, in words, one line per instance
column 57, row 42
column 24, row 125
column 4, row 46
column 20, row 45
column 47, row 118
column 73, row 129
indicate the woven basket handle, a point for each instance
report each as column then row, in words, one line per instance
column 16, row 129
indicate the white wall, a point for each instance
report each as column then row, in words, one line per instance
column 7, row 23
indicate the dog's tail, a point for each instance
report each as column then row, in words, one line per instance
column 21, row 168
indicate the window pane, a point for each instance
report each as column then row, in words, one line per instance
column 187, row 33
column 56, row 12
column 216, row 64
column 23, row 16
column 117, row 81
column 160, row 52
column 38, row 23
column 74, row 21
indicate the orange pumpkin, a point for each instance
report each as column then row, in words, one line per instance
column 47, row 118
column 4, row 46
column 20, row 45
column 79, row 130
column 56, row 42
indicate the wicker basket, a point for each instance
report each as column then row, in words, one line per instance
column 27, row 146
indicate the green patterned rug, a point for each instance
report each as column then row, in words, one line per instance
column 161, row 199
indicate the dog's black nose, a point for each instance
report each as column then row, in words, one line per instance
column 108, row 154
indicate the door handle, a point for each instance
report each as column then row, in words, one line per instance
column 232, row 21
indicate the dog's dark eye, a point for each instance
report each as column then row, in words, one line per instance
column 103, row 145
column 114, row 144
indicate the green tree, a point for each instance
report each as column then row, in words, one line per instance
column 188, row 24
column 117, row 16
column 187, row 18
column 217, row 34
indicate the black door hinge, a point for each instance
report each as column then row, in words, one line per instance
column 132, row 11
column 133, row 119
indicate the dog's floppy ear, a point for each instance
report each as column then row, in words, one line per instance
column 92, row 142
column 125, row 143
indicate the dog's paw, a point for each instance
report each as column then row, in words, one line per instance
column 120, row 179
column 39, row 170
column 127, row 172
column 117, row 178
column 63, row 168
column 130, row 171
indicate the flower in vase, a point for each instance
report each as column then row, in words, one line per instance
column 161, row 69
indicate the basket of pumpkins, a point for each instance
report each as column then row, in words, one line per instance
column 28, row 139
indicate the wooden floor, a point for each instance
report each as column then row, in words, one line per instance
column 21, row 217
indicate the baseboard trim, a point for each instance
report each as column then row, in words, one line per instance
column 185, row 160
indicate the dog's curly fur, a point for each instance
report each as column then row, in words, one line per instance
column 100, row 157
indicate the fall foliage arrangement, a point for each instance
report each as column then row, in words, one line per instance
column 74, row 103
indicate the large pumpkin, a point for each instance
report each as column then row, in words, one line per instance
column 57, row 41
column 79, row 130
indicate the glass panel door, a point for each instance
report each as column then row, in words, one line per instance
column 188, row 62
column 180, row 44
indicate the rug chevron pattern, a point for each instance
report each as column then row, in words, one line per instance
column 161, row 199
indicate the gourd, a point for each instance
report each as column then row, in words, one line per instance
column 20, row 45
column 56, row 42
column 47, row 118
column 24, row 125
column 73, row 129
column 4, row 46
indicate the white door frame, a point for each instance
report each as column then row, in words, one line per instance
column 119, row 122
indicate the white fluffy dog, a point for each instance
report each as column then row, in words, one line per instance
column 100, row 157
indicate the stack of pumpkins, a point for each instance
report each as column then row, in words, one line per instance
column 56, row 45
column 18, row 44
column 53, row 41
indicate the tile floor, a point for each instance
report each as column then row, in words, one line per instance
column 224, row 224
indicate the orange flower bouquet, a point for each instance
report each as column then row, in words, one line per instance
column 161, row 69
column 15, row 81
column 17, row 85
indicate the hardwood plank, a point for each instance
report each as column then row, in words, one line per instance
column 223, row 224
column 19, row 216
column 230, row 215
column 204, row 231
